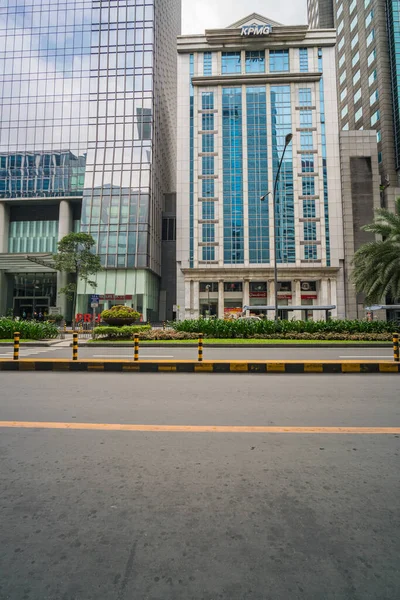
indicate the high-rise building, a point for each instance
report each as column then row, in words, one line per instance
column 241, row 91
column 368, row 79
column 368, row 72
column 320, row 14
column 87, row 143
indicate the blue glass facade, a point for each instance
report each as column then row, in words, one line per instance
column 281, row 121
column 257, row 165
column 207, row 173
column 393, row 19
column 232, row 142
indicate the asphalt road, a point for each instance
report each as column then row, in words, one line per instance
column 63, row 350
column 117, row 515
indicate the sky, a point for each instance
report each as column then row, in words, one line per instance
column 199, row 15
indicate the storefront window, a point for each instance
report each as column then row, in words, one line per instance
column 236, row 286
column 213, row 286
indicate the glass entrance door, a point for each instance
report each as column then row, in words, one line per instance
column 31, row 307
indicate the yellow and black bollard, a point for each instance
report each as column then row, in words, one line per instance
column 396, row 352
column 200, row 349
column 16, row 345
column 136, row 355
column 75, row 346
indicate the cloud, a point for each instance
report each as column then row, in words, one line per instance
column 199, row 15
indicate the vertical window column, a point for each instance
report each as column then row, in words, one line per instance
column 207, row 173
column 281, row 119
column 257, row 161
column 233, row 175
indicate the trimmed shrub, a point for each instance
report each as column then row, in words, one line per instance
column 29, row 330
column 118, row 333
column 160, row 334
column 120, row 315
column 221, row 329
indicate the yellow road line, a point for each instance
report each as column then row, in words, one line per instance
column 198, row 428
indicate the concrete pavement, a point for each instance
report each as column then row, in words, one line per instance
column 177, row 516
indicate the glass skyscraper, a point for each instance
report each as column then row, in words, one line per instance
column 241, row 91
column 87, row 141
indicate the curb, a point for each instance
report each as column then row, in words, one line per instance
column 187, row 366
column 28, row 344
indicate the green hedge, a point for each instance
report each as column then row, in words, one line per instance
column 219, row 328
column 29, row 330
column 119, row 333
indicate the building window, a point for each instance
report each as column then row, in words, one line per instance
column 208, row 253
column 341, row 44
column 342, row 60
column 235, row 286
column 207, row 63
column 207, row 122
column 340, row 27
column 354, row 41
column 308, row 186
column 305, row 118
column 231, row 62
column 343, row 94
column 208, row 188
column 371, row 57
column 344, row 111
column 310, row 231
column 207, row 100
column 207, row 142
column 306, row 140
column 208, row 232
column 207, row 164
column 374, row 97
column 307, row 163
column 352, row 6
column 379, row 157
column 357, row 96
column 278, row 61
column 378, row 136
column 356, row 76
column 310, row 252
column 339, row 10
column 355, row 59
column 255, row 61
column 303, row 56
column 208, row 211
column 208, row 286
column 371, row 37
column 353, row 23
column 375, row 117
column 372, row 77
column 169, row 229
column 369, row 18
column 358, row 114
column 305, row 98
column 309, row 209
column 342, row 77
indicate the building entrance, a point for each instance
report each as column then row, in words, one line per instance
column 31, row 307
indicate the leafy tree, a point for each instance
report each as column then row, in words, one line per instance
column 76, row 256
column 377, row 264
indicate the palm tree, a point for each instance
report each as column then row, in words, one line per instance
column 377, row 264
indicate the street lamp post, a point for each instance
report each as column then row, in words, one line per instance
column 288, row 139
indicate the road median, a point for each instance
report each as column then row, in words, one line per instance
column 213, row 366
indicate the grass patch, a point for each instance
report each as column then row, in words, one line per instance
column 240, row 342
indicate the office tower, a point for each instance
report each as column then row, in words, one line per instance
column 241, row 91
column 87, row 143
column 320, row 14
column 368, row 44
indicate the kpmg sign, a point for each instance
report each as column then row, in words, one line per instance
column 256, row 30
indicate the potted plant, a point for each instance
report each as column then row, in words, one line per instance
column 120, row 316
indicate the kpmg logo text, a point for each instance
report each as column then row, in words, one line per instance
column 256, row 29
